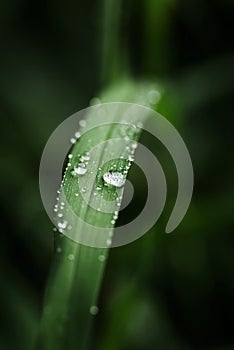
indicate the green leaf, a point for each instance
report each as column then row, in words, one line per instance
column 77, row 270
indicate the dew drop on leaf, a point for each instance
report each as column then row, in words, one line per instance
column 101, row 257
column 72, row 140
column 80, row 170
column 71, row 257
column 62, row 224
column 93, row 310
column 116, row 179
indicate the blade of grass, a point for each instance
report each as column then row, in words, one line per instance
column 76, row 275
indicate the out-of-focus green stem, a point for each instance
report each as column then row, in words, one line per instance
column 111, row 60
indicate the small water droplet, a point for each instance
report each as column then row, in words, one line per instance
column 77, row 134
column 60, row 215
column 70, row 156
column 72, row 140
column 95, row 101
column 108, row 242
column 93, row 310
column 82, row 123
column 62, row 224
column 112, row 222
column 116, row 179
column 59, row 250
column 134, row 145
column 71, row 257
column 101, row 258
column 85, row 157
column 80, row 170
column 153, row 96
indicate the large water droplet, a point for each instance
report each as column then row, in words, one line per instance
column 114, row 178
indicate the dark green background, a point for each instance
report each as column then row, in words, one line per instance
column 162, row 292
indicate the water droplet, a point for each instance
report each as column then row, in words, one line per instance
column 108, row 242
column 70, row 156
column 72, row 140
column 153, row 96
column 59, row 250
column 60, row 215
column 93, row 310
column 62, row 224
column 76, row 194
column 101, row 257
column 71, row 257
column 95, row 101
column 114, row 178
column 85, row 157
column 112, row 222
column 82, row 123
column 80, row 170
column 77, row 134
column 134, row 145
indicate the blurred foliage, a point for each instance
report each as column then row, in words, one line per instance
column 163, row 291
